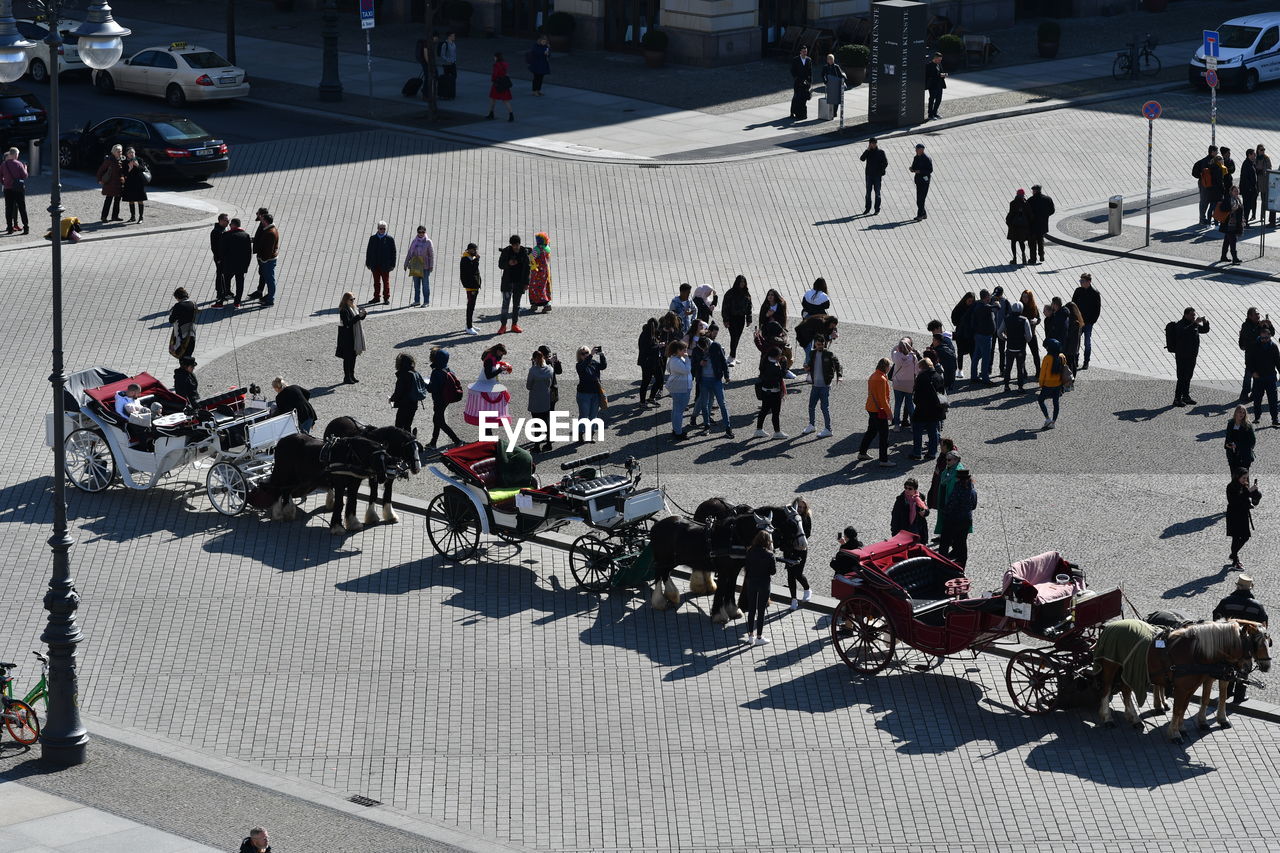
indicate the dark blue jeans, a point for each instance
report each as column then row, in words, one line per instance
column 919, row 429
column 1264, row 385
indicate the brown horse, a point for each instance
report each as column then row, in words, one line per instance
column 1187, row 662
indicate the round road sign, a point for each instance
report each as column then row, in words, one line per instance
column 1211, row 77
column 1151, row 110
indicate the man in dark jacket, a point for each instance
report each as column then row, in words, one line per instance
column 1186, row 338
column 1017, row 333
column 930, row 411
column 1263, row 362
column 380, row 259
column 801, row 80
column 1249, row 184
column 922, row 170
column 946, row 350
column 514, row 263
column 935, row 80
column 220, row 289
column 1240, row 604
column 1089, row 301
column 982, row 318
column 256, row 842
column 237, row 252
column 1208, row 197
column 877, row 165
column 294, row 398
column 1040, row 208
column 266, row 246
column 1250, row 329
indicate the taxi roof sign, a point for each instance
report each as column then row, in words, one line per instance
column 178, row 45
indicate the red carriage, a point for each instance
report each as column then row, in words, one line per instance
column 902, row 591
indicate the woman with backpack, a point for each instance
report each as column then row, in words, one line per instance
column 445, row 390
column 409, row 392
column 1055, row 374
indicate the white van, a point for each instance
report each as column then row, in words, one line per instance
column 1248, row 52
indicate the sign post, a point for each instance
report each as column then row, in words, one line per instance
column 367, row 24
column 1211, row 42
column 1150, row 111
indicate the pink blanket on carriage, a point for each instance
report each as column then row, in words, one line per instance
column 1039, row 571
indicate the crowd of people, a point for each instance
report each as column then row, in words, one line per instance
column 1229, row 196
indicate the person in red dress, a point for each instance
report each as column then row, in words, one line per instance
column 500, row 86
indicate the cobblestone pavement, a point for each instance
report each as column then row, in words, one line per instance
column 491, row 697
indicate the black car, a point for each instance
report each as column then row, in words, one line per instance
column 166, row 143
column 22, row 117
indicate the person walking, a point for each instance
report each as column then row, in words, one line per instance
column 409, row 391
column 905, row 364
column 823, row 370
column 1249, row 184
column 736, row 311
column 910, row 513
column 957, row 521
column 712, row 369
column 1186, row 349
column 296, row 399
column 538, row 59
column 266, row 246
column 930, row 398
column 544, row 393
column 237, row 252
column 513, row 260
column 922, row 169
column 380, row 259
column 134, row 187
column 758, row 570
column 877, row 165
column 500, row 86
column 801, row 80
column 1039, row 209
column 1263, row 363
column 469, row 275
column 935, row 81
column 350, row 336
column 13, row 177
column 771, row 388
column 111, row 177
column 1018, row 225
column 878, row 413
column 982, row 319
column 679, row 385
column 1242, row 497
column 1250, row 331
column 834, row 80
column 1239, row 440
column 1055, row 373
column 1204, row 184
column 1089, row 301
column 590, row 390
column 1263, row 165
column 220, row 288
column 182, row 324
column 420, row 262
column 1232, row 226
column 445, row 389
column 540, row 273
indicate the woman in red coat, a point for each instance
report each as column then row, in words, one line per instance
column 500, row 86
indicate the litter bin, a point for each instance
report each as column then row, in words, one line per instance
column 1115, row 215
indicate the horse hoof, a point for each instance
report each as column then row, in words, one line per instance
column 336, row 529
column 1226, row 724
column 1204, row 727
column 353, row 524
column 370, row 516
column 389, row 515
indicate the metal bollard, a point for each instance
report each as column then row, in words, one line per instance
column 1115, row 215
column 33, row 157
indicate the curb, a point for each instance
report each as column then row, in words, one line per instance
column 142, row 232
column 1265, row 711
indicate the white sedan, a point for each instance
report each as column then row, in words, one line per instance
column 178, row 73
column 36, row 31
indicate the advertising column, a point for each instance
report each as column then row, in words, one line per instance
column 898, row 57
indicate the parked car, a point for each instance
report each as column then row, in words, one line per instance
column 36, row 31
column 178, row 73
column 1248, row 53
column 168, row 144
column 22, row 117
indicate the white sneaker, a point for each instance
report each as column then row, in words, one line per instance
column 806, row 595
column 761, row 641
column 795, row 604
column 826, row 433
column 760, row 434
column 733, row 362
column 472, row 332
column 810, row 428
column 780, row 435
column 789, row 374
column 749, row 640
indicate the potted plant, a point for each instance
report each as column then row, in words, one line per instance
column 559, row 27
column 654, row 43
column 1048, row 34
column 854, row 59
column 458, row 15
column 952, row 49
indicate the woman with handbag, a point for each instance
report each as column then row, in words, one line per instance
column 350, row 336
column 833, row 78
column 500, row 86
column 591, row 397
column 136, row 178
column 419, row 261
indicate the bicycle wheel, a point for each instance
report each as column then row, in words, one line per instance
column 1120, row 67
column 1150, row 65
column 22, row 721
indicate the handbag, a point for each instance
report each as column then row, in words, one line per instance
column 555, row 391
column 502, row 84
column 416, row 266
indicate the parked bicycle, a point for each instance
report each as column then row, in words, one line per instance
column 1148, row 62
column 19, row 715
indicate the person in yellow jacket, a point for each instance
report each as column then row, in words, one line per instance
column 1055, row 374
column 879, row 410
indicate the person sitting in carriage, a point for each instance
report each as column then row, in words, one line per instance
column 843, row 562
column 515, row 465
column 127, row 401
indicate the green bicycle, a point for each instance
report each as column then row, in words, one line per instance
column 19, row 715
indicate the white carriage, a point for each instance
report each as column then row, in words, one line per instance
column 230, row 435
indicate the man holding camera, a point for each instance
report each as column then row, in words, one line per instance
column 1186, row 349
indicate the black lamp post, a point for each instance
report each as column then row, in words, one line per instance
column 330, row 84
column 63, row 739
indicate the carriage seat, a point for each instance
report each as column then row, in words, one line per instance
column 924, row 578
column 486, row 471
column 1041, row 572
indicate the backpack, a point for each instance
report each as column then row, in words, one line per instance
column 1221, row 212
column 453, row 387
column 419, row 386
column 1171, row 336
column 1206, row 177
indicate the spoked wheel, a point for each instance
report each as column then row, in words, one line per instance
column 22, row 722
column 228, row 488
column 916, row 660
column 453, row 526
column 862, row 634
column 89, row 465
column 593, row 562
column 1034, row 681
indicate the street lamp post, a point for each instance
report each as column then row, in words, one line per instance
column 64, row 738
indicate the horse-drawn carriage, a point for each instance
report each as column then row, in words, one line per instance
column 473, row 502
column 230, row 435
column 900, row 590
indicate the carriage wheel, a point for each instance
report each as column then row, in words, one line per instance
column 227, row 487
column 453, row 526
column 916, row 660
column 593, row 562
column 1034, row 681
column 21, row 721
column 89, row 465
column 862, row 634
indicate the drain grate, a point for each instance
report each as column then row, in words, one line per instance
column 363, row 801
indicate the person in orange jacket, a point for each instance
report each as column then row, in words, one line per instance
column 879, row 410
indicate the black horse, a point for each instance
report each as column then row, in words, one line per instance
column 790, row 527
column 404, row 450
column 304, row 464
column 694, row 543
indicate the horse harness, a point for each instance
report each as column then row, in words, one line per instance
column 1224, row 671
